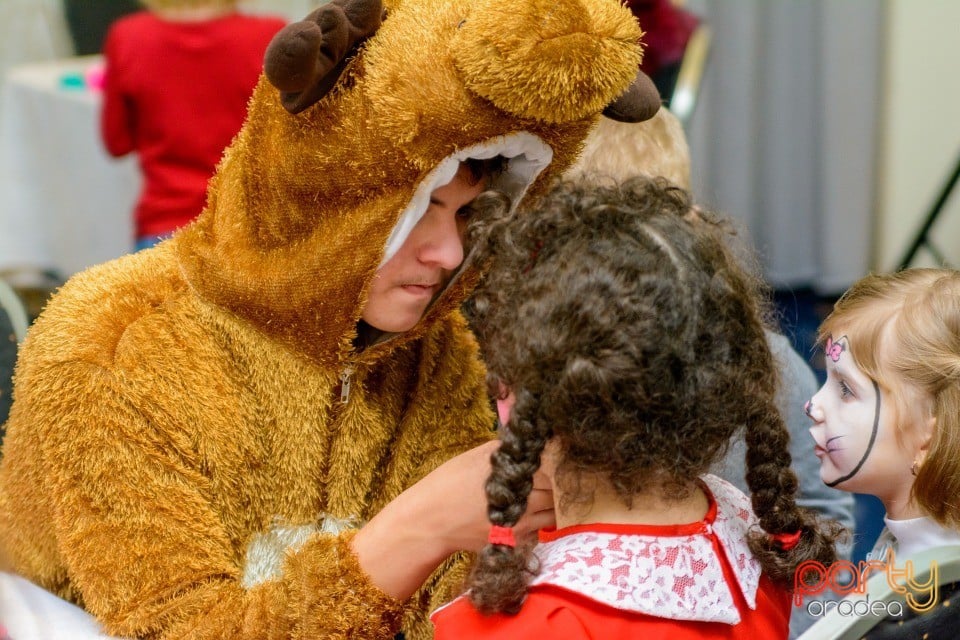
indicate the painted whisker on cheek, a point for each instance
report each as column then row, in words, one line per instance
column 873, row 439
column 828, row 448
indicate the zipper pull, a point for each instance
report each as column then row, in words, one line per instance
column 345, row 385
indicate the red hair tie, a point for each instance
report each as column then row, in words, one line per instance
column 502, row 535
column 534, row 253
column 786, row 541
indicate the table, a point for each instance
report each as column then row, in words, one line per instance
column 65, row 204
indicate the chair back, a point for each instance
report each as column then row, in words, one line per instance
column 889, row 615
column 690, row 76
column 13, row 314
column 13, row 328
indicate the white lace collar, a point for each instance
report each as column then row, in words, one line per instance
column 668, row 572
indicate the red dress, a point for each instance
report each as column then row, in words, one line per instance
column 644, row 582
column 176, row 93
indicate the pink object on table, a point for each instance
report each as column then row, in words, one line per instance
column 94, row 77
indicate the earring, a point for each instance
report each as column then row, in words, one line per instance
column 913, row 468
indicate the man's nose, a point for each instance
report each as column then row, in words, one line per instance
column 441, row 242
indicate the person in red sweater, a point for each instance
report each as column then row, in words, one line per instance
column 177, row 80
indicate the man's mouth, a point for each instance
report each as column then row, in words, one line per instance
column 420, row 289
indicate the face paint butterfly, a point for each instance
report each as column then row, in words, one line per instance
column 833, row 349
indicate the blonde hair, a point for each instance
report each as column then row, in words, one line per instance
column 618, row 151
column 916, row 315
column 162, row 5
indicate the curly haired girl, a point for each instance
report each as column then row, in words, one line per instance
column 631, row 347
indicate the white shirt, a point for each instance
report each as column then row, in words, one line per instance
column 908, row 537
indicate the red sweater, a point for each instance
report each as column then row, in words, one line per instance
column 176, row 93
column 694, row 581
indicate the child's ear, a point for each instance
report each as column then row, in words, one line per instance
column 927, row 429
column 505, row 402
column 921, row 416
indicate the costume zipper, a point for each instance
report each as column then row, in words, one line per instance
column 345, row 385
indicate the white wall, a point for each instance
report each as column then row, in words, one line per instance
column 785, row 133
column 920, row 127
column 32, row 30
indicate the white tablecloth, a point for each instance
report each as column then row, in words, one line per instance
column 64, row 203
column 30, row 613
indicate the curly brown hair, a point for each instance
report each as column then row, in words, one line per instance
column 631, row 337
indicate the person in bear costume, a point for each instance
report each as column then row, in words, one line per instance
column 202, row 443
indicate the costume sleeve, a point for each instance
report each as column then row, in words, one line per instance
column 117, row 113
column 143, row 544
column 454, row 411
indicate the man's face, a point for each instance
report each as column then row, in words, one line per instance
column 405, row 285
column 855, row 429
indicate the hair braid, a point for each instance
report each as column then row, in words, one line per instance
column 501, row 574
column 773, row 486
column 772, row 482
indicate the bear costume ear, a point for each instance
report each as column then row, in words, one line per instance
column 305, row 59
column 639, row 102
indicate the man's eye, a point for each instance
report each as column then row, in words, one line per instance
column 466, row 213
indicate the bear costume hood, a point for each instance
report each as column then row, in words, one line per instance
column 185, row 455
column 364, row 110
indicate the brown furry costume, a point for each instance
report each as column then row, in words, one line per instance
column 178, row 459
